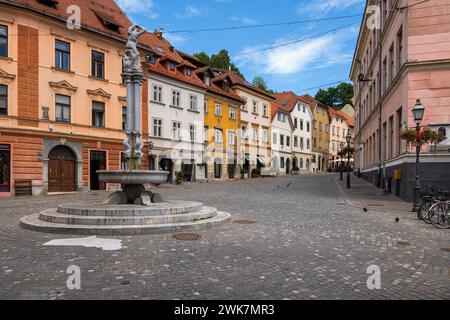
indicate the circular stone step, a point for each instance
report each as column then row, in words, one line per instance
column 52, row 216
column 157, row 209
column 35, row 224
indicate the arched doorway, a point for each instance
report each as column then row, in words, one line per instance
column 62, row 170
column 295, row 163
column 308, row 166
column 301, row 164
column 288, row 166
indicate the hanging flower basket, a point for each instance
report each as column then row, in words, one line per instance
column 414, row 138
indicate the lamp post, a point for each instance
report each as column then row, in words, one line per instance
column 349, row 139
column 342, row 161
column 418, row 113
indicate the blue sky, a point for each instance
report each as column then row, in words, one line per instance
column 317, row 61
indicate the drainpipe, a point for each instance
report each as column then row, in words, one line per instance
column 380, row 65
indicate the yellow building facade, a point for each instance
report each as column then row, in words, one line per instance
column 320, row 133
column 221, row 127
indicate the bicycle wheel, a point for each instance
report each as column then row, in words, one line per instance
column 439, row 216
column 423, row 213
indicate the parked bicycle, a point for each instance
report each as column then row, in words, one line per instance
column 439, row 214
column 435, row 208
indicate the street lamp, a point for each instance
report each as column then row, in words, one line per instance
column 418, row 113
column 342, row 161
column 349, row 139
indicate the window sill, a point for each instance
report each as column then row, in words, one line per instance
column 7, row 58
column 63, row 70
column 157, row 102
column 176, row 107
column 255, row 114
column 193, row 110
column 99, row 79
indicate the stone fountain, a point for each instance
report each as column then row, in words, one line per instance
column 133, row 210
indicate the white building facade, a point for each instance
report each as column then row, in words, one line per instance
column 302, row 118
column 282, row 128
column 176, row 118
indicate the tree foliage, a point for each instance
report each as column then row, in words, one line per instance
column 220, row 60
column 336, row 96
column 262, row 84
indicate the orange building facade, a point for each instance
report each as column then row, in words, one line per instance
column 62, row 97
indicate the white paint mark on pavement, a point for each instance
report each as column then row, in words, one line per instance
column 89, row 242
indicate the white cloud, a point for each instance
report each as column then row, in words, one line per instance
column 175, row 39
column 192, row 12
column 141, row 7
column 311, row 54
column 322, row 7
column 243, row 20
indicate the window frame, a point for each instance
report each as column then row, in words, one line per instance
column 5, row 98
column 64, row 107
column 176, row 98
column 176, row 130
column 60, row 58
column 157, row 93
column 218, row 106
column 192, row 132
column 193, row 102
column 95, row 63
column 6, row 37
column 157, row 127
column 94, row 111
column 232, row 113
column 218, row 133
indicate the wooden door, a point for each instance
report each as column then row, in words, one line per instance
column 5, row 168
column 61, row 170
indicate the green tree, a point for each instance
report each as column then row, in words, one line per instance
column 336, row 96
column 262, row 84
column 220, row 60
column 203, row 57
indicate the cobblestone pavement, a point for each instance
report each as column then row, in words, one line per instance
column 306, row 244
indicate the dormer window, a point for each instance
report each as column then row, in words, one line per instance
column 188, row 72
column 172, row 66
column 151, row 59
column 225, row 85
column 208, row 81
column 108, row 21
column 49, row 3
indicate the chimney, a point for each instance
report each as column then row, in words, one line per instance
column 158, row 33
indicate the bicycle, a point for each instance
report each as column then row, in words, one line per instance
column 439, row 214
column 429, row 199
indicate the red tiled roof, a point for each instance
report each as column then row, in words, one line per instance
column 350, row 120
column 237, row 80
column 337, row 113
column 287, row 100
column 92, row 13
column 309, row 100
column 274, row 106
column 215, row 88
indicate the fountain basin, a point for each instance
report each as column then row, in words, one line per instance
column 137, row 177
